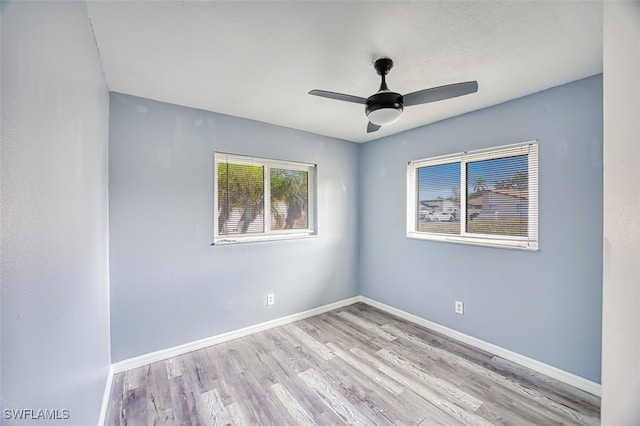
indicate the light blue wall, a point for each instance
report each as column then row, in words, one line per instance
column 55, row 351
column 169, row 286
column 545, row 305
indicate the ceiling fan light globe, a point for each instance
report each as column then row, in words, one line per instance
column 384, row 116
column 384, row 107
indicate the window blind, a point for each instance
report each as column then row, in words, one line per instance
column 257, row 197
column 483, row 197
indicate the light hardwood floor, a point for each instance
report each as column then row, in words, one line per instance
column 354, row 365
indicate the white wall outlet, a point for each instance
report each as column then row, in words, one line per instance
column 459, row 307
column 270, row 299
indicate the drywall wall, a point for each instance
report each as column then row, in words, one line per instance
column 54, row 263
column 621, row 285
column 169, row 285
column 545, row 305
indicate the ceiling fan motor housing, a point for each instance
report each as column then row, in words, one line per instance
column 384, row 107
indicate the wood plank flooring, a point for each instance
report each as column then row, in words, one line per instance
column 355, row 365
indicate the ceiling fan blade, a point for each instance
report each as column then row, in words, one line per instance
column 440, row 93
column 372, row 127
column 338, row 96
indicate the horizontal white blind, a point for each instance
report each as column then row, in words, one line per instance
column 258, row 198
column 485, row 197
column 438, row 195
column 289, row 198
column 241, row 188
column 498, row 196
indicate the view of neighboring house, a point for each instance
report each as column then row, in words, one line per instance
column 499, row 203
column 474, row 207
column 491, row 203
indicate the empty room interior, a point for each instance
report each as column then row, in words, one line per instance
column 320, row 212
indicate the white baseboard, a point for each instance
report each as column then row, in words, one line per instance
column 556, row 373
column 163, row 354
column 540, row 367
column 105, row 398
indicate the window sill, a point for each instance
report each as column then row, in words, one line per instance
column 484, row 242
column 221, row 241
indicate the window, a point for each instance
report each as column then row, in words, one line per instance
column 487, row 197
column 247, row 187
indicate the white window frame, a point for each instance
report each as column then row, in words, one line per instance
column 268, row 234
column 529, row 242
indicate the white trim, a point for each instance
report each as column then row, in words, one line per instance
column 264, row 238
column 164, row 354
column 546, row 369
column 105, row 397
column 554, row 372
column 261, row 161
column 412, row 200
column 503, row 242
column 519, row 148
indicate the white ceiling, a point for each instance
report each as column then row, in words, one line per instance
column 258, row 60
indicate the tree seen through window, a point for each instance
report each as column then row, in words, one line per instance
column 246, row 190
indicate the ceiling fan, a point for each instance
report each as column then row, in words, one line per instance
column 385, row 107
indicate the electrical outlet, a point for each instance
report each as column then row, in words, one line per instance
column 270, row 299
column 459, row 307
